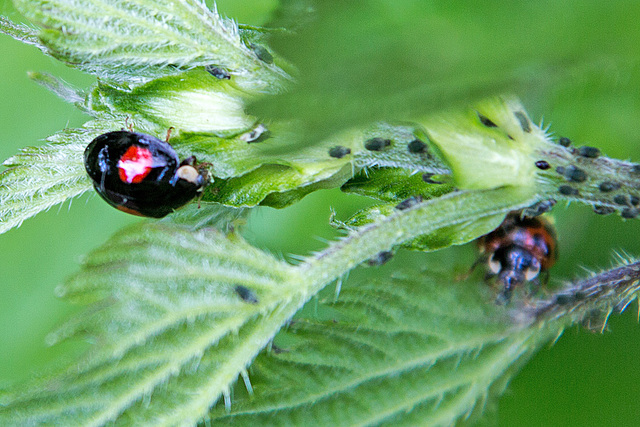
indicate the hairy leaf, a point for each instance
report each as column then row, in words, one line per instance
column 131, row 42
column 370, row 60
column 419, row 348
column 179, row 314
column 38, row 178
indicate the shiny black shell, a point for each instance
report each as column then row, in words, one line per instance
column 137, row 174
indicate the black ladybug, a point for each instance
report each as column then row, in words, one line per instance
column 140, row 174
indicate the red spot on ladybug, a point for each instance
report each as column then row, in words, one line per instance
column 135, row 164
column 517, row 252
column 142, row 175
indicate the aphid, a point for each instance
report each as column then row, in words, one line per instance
column 486, row 121
column 261, row 53
column 246, row 294
column 142, row 175
column 542, row 164
column 539, row 208
column 377, row 144
column 409, row 203
column 564, row 141
column 575, row 174
column 217, row 72
column 380, row 258
column 339, row 151
column 524, row 121
column 416, row 146
column 590, row 152
column 567, row 190
column 608, row 186
column 517, row 252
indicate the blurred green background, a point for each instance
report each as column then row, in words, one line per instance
column 584, row 379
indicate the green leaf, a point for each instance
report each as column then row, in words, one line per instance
column 178, row 314
column 132, row 42
column 20, row 32
column 279, row 169
column 38, row 178
column 396, row 184
column 194, row 102
column 369, row 60
column 174, row 312
column 417, row 348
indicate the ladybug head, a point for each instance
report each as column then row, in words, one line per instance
column 513, row 265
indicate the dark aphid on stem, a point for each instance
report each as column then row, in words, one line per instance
column 564, row 141
column 567, row 190
column 246, row 294
column 377, row 144
column 539, row 208
column 261, row 53
column 409, row 203
column 608, row 186
column 381, row 258
column 590, row 152
column 629, row 213
column 218, row 73
column 621, row 200
column 416, row 147
column 339, row 151
column 542, row 164
column 524, row 121
column 603, row 210
column 518, row 252
column 575, row 174
column 486, row 121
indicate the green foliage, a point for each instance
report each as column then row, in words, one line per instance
column 376, row 60
column 179, row 309
column 38, row 178
column 131, row 43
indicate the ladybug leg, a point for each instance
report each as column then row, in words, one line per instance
column 171, row 129
column 480, row 260
column 189, row 161
column 534, row 287
column 504, row 297
column 128, row 125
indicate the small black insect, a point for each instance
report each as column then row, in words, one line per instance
column 591, row 152
column 486, row 121
column 567, row 190
column 575, row 174
column 218, row 73
column 339, row 151
column 409, row 203
column 542, row 164
column 565, row 142
column 246, row 294
column 380, row 258
column 609, row 186
column 603, row 210
column 416, row 146
column 377, row 144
